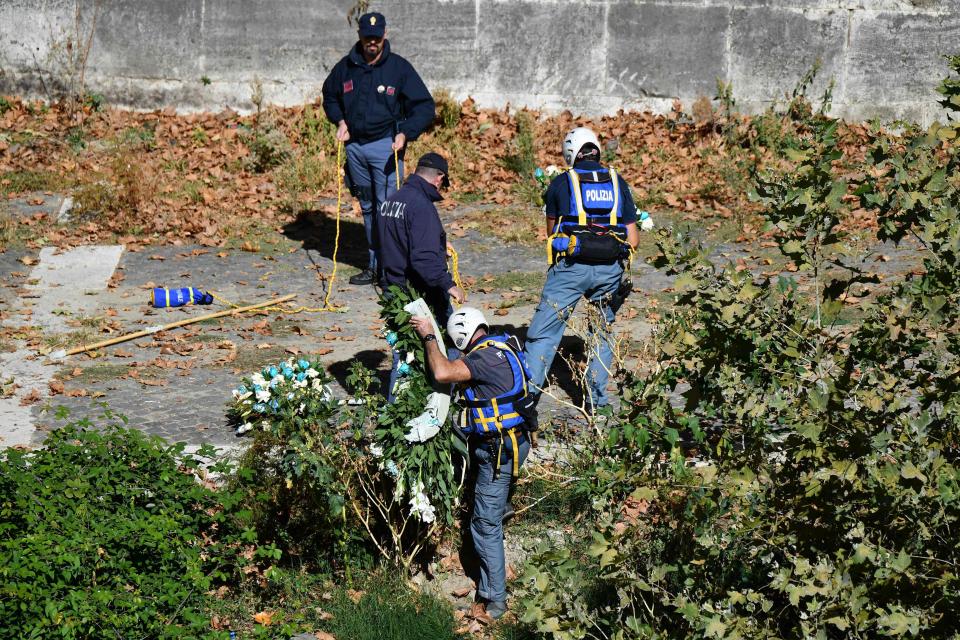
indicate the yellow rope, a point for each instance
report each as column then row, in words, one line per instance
column 396, row 167
column 455, row 267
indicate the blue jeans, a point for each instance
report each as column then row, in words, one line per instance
column 373, row 175
column 568, row 282
column 486, row 525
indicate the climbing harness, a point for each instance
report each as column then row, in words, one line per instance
column 502, row 416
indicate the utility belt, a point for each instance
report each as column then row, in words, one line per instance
column 589, row 244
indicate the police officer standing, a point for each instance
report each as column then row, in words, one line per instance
column 591, row 229
column 493, row 378
column 379, row 104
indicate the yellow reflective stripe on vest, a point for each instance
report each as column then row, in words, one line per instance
column 190, row 289
column 578, row 197
column 516, row 453
column 166, row 292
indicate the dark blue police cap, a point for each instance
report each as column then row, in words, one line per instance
column 372, row 24
column 436, row 161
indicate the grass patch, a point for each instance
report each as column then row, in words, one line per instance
column 26, row 181
column 388, row 610
column 8, row 229
column 249, row 358
column 515, row 224
column 515, row 281
column 378, row 607
column 101, row 372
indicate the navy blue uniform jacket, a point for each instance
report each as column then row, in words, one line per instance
column 413, row 244
column 380, row 100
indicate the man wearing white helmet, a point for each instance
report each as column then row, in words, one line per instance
column 592, row 232
column 493, row 379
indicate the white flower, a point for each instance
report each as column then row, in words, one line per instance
column 265, row 425
column 242, row 429
column 302, row 406
column 411, row 356
column 312, row 373
column 299, row 384
column 392, row 468
column 376, row 450
column 258, row 380
column 263, row 395
column 277, row 379
column 420, row 504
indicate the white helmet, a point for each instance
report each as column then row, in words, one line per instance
column 463, row 324
column 575, row 141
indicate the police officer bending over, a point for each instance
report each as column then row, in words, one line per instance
column 379, row 104
column 493, row 380
column 592, row 231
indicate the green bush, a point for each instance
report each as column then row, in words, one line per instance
column 108, row 533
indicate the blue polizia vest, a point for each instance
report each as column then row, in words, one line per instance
column 595, row 199
column 495, row 415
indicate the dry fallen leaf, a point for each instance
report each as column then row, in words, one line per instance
column 462, row 592
column 264, row 617
column 355, row 595
column 56, row 387
column 323, row 635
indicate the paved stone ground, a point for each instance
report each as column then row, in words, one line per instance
column 188, row 403
column 183, row 377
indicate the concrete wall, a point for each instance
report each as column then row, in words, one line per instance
column 593, row 56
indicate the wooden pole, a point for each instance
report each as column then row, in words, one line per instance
column 172, row 325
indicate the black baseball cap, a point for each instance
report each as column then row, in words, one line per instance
column 436, row 161
column 372, row 24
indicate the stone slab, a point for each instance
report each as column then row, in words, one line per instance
column 666, row 50
column 544, row 50
column 16, row 420
column 68, row 281
column 895, row 61
column 446, row 50
column 771, row 49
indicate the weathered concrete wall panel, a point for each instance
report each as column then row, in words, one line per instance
column 666, row 50
column 764, row 62
column 894, row 61
column 587, row 55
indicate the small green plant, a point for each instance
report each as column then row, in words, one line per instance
column 76, row 138
column 205, row 81
column 5, row 105
column 521, row 153
column 448, row 109
column 269, row 147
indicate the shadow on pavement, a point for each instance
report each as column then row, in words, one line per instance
column 317, row 230
column 369, row 358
